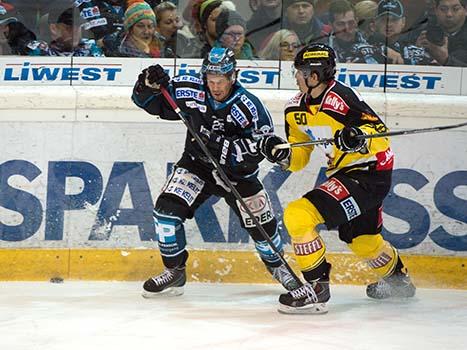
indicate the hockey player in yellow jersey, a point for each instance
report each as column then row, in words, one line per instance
column 359, row 178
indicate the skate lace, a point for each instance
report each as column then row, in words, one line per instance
column 163, row 278
column 382, row 287
column 305, row 291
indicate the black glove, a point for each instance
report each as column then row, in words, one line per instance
column 156, row 77
column 266, row 147
column 346, row 140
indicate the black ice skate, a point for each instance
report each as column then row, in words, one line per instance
column 310, row 298
column 398, row 285
column 169, row 282
column 284, row 277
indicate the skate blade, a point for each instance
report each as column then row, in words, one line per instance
column 169, row 292
column 311, row 309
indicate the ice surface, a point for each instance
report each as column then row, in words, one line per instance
column 113, row 315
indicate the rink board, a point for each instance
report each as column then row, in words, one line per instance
column 214, row 266
column 78, row 178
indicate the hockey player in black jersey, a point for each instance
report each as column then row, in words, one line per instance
column 359, row 178
column 230, row 120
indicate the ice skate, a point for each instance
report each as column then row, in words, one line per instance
column 310, row 298
column 169, row 282
column 398, row 285
column 283, row 276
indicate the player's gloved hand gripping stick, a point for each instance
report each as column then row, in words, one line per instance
column 328, row 141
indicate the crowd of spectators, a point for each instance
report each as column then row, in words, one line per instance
column 414, row 32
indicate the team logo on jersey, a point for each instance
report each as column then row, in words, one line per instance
column 90, row 12
column 335, row 189
column 197, row 95
column 188, row 78
column 382, row 260
column 294, row 101
column 250, row 105
column 95, row 23
column 308, row 248
column 351, row 208
column 194, row 105
column 385, row 160
column 239, row 116
column 260, row 207
column 333, row 102
column 369, row 117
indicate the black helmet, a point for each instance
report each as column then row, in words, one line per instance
column 317, row 58
column 220, row 61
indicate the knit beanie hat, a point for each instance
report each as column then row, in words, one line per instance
column 205, row 9
column 287, row 3
column 228, row 18
column 137, row 10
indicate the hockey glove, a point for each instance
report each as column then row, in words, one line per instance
column 157, row 77
column 346, row 140
column 266, row 147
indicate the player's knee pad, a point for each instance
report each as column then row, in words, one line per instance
column 301, row 218
column 170, row 234
column 267, row 254
column 379, row 254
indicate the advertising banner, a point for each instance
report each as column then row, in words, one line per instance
column 72, row 184
column 19, row 71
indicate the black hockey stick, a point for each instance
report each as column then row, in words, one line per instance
column 229, row 184
column 372, row 136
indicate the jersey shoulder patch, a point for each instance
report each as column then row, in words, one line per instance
column 334, row 102
column 295, row 101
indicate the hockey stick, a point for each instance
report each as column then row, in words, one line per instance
column 372, row 136
column 224, row 177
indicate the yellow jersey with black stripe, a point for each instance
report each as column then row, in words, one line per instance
column 308, row 118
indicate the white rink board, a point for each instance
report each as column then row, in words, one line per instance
column 65, row 163
column 89, row 71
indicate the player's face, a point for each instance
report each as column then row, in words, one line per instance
column 144, row 30
column 301, row 81
column 345, row 26
column 219, row 86
column 168, row 23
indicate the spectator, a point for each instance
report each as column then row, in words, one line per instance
column 14, row 36
column 140, row 27
column 366, row 12
column 167, row 23
column 389, row 36
column 283, row 46
column 31, row 11
column 176, row 39
column 264, row 22
column 445, row 37
column 103, row 18
column 206, row 13
column 230, row 29
column 299, row 17
column 346, row 40
column 66, row 38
